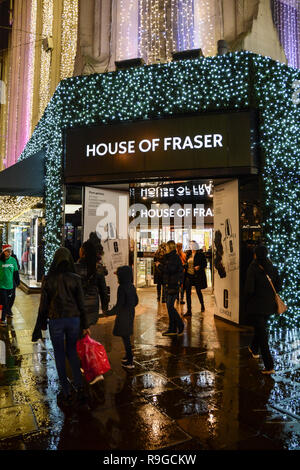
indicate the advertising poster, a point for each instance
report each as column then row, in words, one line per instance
column 226, row 250
column 106, row 212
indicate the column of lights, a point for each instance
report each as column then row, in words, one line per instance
column 124, row 44
column 204, row 27
column 68, row 37
column 213, row 83
column 45, row 56
column 32, row 60
column 287, row 20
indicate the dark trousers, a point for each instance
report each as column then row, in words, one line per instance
column 5, row 301
column 181, row 291
column 12, row 299
column 128, row 349
column 260, row 341
column 64, row 333
column 189, row 282
column 160, row 287
column 175, row 321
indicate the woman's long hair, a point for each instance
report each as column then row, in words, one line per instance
column 262, row 259
column 62, row 262
column 90, row 256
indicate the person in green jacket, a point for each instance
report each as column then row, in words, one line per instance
column 8, row 266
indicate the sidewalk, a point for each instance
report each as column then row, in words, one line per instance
column 200, row 391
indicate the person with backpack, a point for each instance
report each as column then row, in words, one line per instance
column 93, row 282
column 173, row 277
column 124, row 310
column 260, row 304
column 62, row 307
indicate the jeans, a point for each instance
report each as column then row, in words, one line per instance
column 64, row 333
column 189, row 282
column 260, row 340
column 127, row 346
column 175, row 321
column 5, row 301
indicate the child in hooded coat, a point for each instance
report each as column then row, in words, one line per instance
column 124, row 310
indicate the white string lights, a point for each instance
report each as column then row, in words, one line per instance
column 127, row 47
column 235, row 81
column 166, row 26
column 205, row 26
column 13, row 206
column 68, row 37
column 45, row 56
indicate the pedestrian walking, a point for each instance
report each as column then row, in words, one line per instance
column 260, row 304
column 8, row 270
column 93, row 282
column 124, row 310
column 62, row 307
column 182, row 257
column 195, row 276
column 173, row 276
column 16, row 284
column 159, row 259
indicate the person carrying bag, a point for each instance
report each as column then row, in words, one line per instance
column 261, row 303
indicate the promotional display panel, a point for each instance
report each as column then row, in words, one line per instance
column 226, row 249
column 106, row 212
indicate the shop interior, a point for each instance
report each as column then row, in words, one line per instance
column 144, row 240
column 23, row 228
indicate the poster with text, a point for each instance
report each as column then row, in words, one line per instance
column 106, row 212
column 226, row 250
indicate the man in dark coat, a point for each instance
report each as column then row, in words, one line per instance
column 195, row 276
column 260, row 303
column 173, row 276
column 124, row 310
column 159, row 259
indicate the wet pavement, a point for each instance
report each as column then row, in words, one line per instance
column 199, row 391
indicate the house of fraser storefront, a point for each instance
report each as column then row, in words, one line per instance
column 202, row 149
column 146, row 182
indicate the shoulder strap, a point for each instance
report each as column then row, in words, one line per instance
column 269, row 279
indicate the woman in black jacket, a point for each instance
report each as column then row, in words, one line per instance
column 260, row 303
column 62, row 305
column 173, row 277
column 195, row 276
column 93, row 282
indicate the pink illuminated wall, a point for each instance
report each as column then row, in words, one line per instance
column 20, row 82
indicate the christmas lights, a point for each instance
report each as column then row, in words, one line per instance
column 13, row 206
column 45, row 56
column 68, row 37
column 286, row 15
column 236, row 81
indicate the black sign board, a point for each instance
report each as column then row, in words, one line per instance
column 220, row 143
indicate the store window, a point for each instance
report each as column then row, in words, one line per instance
column 26, row 235
column 179, row 211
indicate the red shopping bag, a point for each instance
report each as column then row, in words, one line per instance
column 94, row 360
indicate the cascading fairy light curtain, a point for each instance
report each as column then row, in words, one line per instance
column 286, row 15
column 153, row 29
column 165, row 26
column 21, row 77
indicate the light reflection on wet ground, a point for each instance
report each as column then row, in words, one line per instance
column 198, row 391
